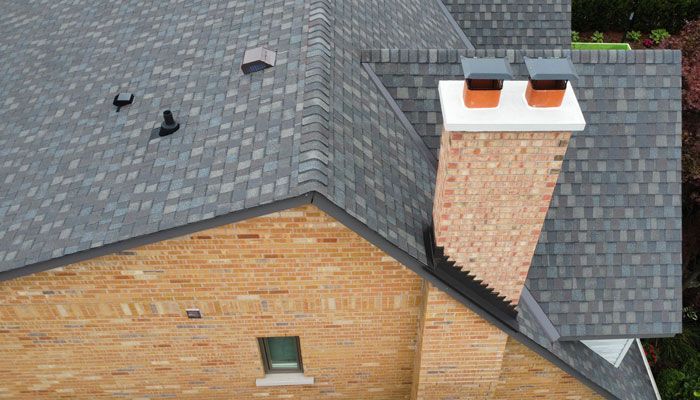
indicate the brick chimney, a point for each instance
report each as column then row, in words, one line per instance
column 498, row 168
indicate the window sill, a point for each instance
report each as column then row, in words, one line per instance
column 290, row 379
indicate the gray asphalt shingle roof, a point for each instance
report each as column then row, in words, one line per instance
column 76, row 175
column 514, row 24
column 608, row 261
column 628, row 381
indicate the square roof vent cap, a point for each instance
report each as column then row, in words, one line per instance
column 541, row 69
column 486, row 68
column 257, row 59
column 123, row 99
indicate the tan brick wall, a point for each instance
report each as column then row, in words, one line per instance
column 461, row 353
column 115, row 325
column 492, row 194
column 526, row 376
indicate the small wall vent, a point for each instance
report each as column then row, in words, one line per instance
column 123, row 99
column 193, row 313
column 258, row 59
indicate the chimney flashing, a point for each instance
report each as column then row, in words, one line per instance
column 512, row 114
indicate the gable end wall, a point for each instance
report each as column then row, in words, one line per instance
column 116, row 326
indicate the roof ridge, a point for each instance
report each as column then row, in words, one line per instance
column 423, row 56
column 315, row 122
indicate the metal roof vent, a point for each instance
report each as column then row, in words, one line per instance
column 123, row 99
column 548, row 80
column 483, row 81
column 169, row 124
column 258, row 59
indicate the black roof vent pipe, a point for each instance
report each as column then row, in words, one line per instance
column 169, row 124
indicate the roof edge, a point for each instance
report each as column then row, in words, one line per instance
column 571, row 338
column 429, row 56
column 327, row 206
column 158, row 236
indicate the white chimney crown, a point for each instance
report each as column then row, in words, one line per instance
column 513, row 114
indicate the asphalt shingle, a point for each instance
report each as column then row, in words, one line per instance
column 608, row 259
column 514, row 24
column 76, row 175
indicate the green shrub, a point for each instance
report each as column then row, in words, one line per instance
column 674, row 352
column 634, row 36
column 613, row 15
column 681, row 384
column 599, row 15
column 659, row 35
column 575, row 37
column 688, row 41
column 597, row 37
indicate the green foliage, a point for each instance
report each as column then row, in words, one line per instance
column 678, row 361
column 681, row 383
column 670, row 383
column 634, row 36
column 613, row 15
column 599, row 15
column 597, row 37
column 674, row 352
column 575, row 37
column 600, row 46
column 688, row 41
column 659, row 35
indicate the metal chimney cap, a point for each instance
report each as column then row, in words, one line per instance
column 486, row 68
column 257, row 59
column 550, row 69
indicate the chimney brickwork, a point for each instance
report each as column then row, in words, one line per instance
column 497, row 172
column 492, row 194
column 459, row 354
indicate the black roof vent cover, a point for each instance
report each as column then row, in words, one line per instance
column 258, row 59
column 169, row 124
column 123, row 99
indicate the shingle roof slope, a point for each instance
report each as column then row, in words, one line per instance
column 514, row 24
column 77, row 175
column 608, row 259
column 628, row 381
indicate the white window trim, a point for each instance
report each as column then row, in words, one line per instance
column 284, row 379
